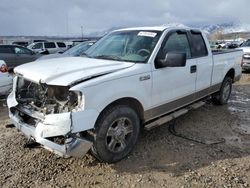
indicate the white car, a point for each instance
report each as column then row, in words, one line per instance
column 246, row 57
column 48, row 47
column 131, row 79
column 5, row 79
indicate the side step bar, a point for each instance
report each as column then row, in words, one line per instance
column 173, row 115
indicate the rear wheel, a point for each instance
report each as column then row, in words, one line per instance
column 225, row 91
column 117, row 131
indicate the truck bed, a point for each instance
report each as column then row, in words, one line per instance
column 225, row 60
column 219, row 51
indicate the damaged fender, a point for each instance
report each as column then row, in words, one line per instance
column 66, row 125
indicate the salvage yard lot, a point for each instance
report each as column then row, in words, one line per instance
column 160, row 159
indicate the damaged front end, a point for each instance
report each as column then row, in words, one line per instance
column 46, row 99
column 46, row 114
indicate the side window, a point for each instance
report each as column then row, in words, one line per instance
column 61, row 45
column 177, row 43
column 199, row 46
column 5, row 50
column 49, row 45
column 38, row 46
column 19, row 50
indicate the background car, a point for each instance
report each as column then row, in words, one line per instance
column 231, row 45
column 21, row 43
column 245, row 46
column 15, row 55
column 47, row 47
column 72, row 52
column 5, row 79
column 246, row 57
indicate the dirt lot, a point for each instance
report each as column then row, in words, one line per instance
column 160, row 159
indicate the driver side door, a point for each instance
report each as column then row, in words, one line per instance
column 173, row 87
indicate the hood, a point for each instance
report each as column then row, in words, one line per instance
column 245, row 49
column 51, row 56
column 69, row 70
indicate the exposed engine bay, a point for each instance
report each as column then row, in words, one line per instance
column 45, row 98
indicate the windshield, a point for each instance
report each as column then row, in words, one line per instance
column 133, row 46
column 79, row 49
column 246, row 44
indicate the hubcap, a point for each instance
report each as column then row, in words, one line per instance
column 119, row 134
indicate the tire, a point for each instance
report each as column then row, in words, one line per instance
column 117, row 131
column 223, row 95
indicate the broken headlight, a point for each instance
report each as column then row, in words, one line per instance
column 48, row 99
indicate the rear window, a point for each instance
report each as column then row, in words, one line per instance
column 61, row 45
column 49, row 45
column 5, row 49
column 199, row 47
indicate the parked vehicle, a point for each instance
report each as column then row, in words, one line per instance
column 76, row 42
column 231, row 45
column 21, row 43
column 246, row 57
column 5, row 79
column 130, row 79
column 15, row 55
column 48, row 47
column 75, row 51
column 39, row 40
column 246, row 62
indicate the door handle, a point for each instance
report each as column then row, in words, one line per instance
column 193, row 69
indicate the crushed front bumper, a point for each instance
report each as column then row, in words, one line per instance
column 51, row 126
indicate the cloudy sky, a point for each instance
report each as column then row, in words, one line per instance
column 66, row 17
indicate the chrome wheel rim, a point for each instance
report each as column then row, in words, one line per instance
column 119, row 134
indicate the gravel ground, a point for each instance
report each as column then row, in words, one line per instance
column 160, row 159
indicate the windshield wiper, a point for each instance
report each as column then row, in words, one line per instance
column 111, row 57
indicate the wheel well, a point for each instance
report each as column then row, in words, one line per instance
column 133, row 103
column 231, row 74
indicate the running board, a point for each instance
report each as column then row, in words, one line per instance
column 173, row 115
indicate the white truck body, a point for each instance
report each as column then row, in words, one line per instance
column 100, row 83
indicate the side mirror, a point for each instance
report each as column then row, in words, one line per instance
column 172, row 59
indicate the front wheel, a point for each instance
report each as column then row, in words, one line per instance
column 117, row 131
column 225, row 91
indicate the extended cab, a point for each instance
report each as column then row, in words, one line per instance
column 130, row 79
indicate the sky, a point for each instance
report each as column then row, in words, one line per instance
column 74, row 17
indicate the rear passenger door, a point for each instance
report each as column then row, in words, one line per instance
column 51, row 47
column 204, row 63
column 7, row 54
column 62, row 46
column 173, row 86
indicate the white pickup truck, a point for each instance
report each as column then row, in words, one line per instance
column 131, row 79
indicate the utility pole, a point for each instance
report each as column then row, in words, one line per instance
column 82, row 31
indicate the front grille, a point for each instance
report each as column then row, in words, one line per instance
column 44, row 98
